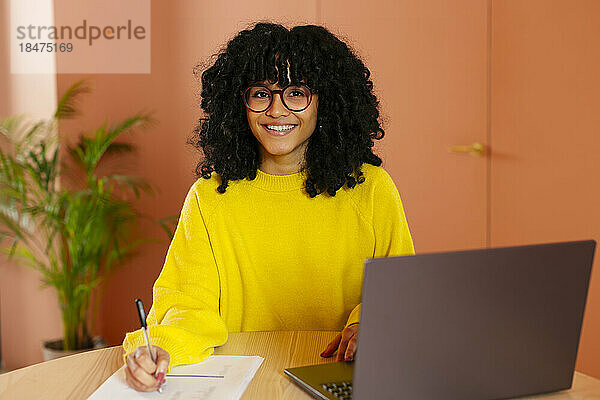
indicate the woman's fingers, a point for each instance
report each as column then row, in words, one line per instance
column 351, row 349
column 162, row 364
column 345, row 343
column 144, row 377
column 341, row 351
column 347, row 334
column 332, row 346
column 133, row 382
column 144, row 360
column 142, row 373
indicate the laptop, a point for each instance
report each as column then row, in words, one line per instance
column 465, row 325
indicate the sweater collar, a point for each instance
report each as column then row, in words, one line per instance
column 279, row 183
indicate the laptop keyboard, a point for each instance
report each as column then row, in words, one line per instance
column 339, row 390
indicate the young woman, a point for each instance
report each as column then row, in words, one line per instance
column 289, row 203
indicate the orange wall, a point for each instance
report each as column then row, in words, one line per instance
column 429, row 62
column 545, row 137
column 4, row 56
column 28, row 313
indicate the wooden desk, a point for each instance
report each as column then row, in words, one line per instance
column 77, row 376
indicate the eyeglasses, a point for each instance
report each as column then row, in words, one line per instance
column 259, row 98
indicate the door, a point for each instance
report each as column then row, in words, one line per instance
column 545, row 101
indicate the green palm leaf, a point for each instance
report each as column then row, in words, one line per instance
column 72, row 236
column 66, row 107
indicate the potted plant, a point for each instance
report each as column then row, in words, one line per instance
column 73, row 234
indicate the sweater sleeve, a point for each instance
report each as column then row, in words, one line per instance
column 392, row 236
column 185, row 318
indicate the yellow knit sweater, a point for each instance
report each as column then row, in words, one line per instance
column 265, row 256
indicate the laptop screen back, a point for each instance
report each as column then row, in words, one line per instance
column 483, row 324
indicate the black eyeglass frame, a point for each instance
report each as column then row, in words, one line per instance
column 273, row 93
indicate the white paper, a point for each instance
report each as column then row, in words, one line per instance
column 222, row 377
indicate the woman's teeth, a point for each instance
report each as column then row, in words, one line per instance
column 280, row 128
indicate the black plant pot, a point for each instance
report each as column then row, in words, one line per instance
column 53, row 349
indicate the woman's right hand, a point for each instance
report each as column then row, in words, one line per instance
column 144, row 375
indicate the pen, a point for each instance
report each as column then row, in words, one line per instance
column 142, row 315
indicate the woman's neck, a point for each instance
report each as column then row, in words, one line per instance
column 281, row 165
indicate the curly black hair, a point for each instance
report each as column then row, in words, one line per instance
column 347, row 114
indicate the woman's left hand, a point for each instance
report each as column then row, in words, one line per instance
column 345, row 343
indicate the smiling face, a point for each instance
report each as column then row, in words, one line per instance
column 282, row 134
